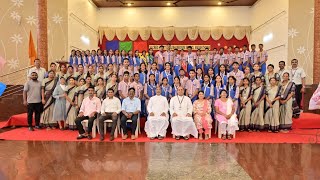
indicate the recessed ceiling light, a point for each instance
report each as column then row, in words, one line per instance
column 168, row 4
column 219, row 3
column 129, row 4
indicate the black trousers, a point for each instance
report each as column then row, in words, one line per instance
column 35, row 108
column 90, row 123
column 298, row 95
column 114, row 123
column 124, row 119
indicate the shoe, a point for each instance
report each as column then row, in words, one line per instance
column 133, row 137
column 206, row 137
column 160, row 137
column 37, row 127
column 81, row 136
column 111, row 138
column 89, row 136
column 177, row 137
column 101, row 138
column 31, row 129
column 125, row 136
column 152, row 138
column 186, row 138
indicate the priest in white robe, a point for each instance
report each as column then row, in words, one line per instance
column 181, row 116
column 158, row 119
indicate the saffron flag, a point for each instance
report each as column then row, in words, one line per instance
column 140, row 46
column 126, row 45
column 32, row 50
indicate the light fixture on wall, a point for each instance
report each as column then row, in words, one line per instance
column 267, row 38
column 85, row 40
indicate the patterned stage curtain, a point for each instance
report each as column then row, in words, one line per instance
column 181, row 33
column 133, row 33
column 193, row 33
column 204, row 33
column 121, row 33
column 109, row 33
column 156, row 33
column 216, row 33
column 144, row 33
column 168, row 33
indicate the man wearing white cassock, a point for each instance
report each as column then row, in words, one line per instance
column 157, row 124
column 181, row 116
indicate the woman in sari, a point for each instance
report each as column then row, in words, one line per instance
column 83, row 90
column 245, row 105
column 271, row 74
column 100, row 89
column 48, row 86
column 286, row 101
column 113, row 84
column 272, row 106
column 247, row 73
column 258, row 96
column 225, row 115
column 63, row 70
column 256, row 73
column 59, row 111
column 71, row 104
column 202, row 117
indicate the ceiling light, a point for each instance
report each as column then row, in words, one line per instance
column 219, row 3
column 129, row 4
column 168, row 4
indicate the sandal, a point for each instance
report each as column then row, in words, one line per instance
column 206, row 137
column 223, row 137
column 229, row 137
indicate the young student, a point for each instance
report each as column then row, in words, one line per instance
column 230, row 59
column 192, row 86
column 258, row 96
column 207, row 58
column 217, row 87
column 254, row 57
column 246, row 57
column 143, row 57
column 223, row 74
column 150, row 58
column 166, row 89
column 183, row 78
column 216, row 61
column 143, row 73
column 139, row 92
column 199, row 76
column 131, row 62
column 272, row 113
column 167, row 73
column 176, row 84
column 159, row 58
column 73, row 58
column 123, row 56
column 150, row 88
column 236, row 73
column 207, row 88
column 176, row 62
column 136, row 61
column 245, row 105
column 233, row 92
column 190, row 59
column 263, row 58
column 109, row 58
column 116, row 61
column 168, row 54
column 125, row 67
column 124, row 86
column 286, row 100
column 211, row 75
column 199, row 60
column 238, row 57
column 155, row 72
column 223, row 57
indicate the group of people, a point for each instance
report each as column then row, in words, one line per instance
column 189, row 90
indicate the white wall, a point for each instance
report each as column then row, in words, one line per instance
column 174, row 16
column 263, row 11
column 87, row 13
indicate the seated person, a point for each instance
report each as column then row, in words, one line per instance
column 157, row 124
column 89, row 109
column 131, row 107
column 181, row 112
column 110, row 109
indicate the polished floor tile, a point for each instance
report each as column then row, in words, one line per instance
column 94, row 160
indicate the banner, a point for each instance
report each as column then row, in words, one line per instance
column 127, row 45
column 179, row 47
column 140, row 46
column 112, row 45
column 315, row 100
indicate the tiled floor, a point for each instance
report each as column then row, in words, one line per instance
column 95, row 160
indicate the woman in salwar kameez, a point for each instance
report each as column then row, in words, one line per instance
column 286, row 98
column 272, row 106
column 258, row 96
column 245, row 105
column 48, row 86
column 202, row 117
column 71, row 104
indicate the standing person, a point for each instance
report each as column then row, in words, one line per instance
column 190, row 59
column 124, row 86
column 272, row 113
column 176, row 62
column 263, row 58
column 100, row 74
column 298, row 76
column 89, row 110
column 155, row 72
column 80, row 74
column 136, row 61
column 48, row 86
column 183, row 78
column 207, row 60
column 168, row 55
column 41, row 72
column 207, row 88
column 238, row 74
column 192, row 86
column 271, row 74
column 282, row 69
column 286, row 100
column 157, row 124
column 32, row 99
column 230, row 59
column 202, row 117
column 150, row 58
column 246, row 57
column 139, row 92
column 216, row 61
column 245, row 105
column 100, row 89
column 256, row 73
column 124, row 69
column 223, row 73
column 233, row 92
column 59, row 111
column 159, row 58
column 143, row 73
column 238, row 57
column 167, row 73
column 199, row 60
column 72, row 104
column 83, row 90
column 110, row 109
column 181, row 116
column 131, row 107
column 225, row 115
column 199, row 75
column 258, row 96
column 70, row 73
column 254, row 57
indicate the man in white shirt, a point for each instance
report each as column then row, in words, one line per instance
column 298, row 76
column 282, row 69
column 157, row 124
column 181, row 116
column 39, row 70
column 110, row 109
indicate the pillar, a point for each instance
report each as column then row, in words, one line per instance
column 316, row 62
column 42, row 36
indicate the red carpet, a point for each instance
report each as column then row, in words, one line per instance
column 294, row 136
